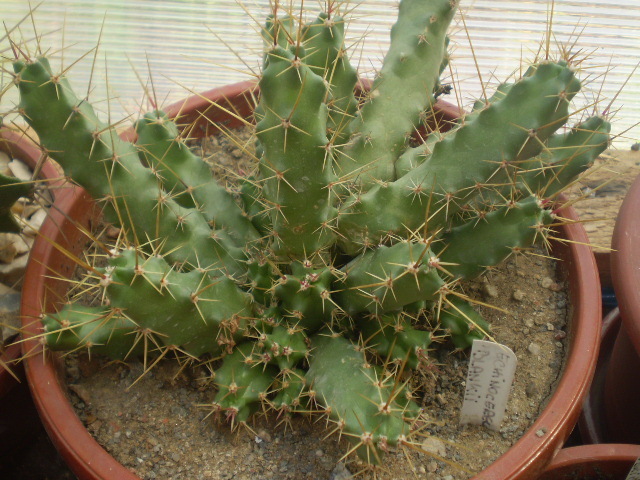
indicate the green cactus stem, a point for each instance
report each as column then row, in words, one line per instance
column 100, row 330
column 323, row 40
column 305, row 295
column 370, row 408
column 188, row 178
column 296, row 167
column 242, row 384
column 394, row 338
column 462, row 323
column 400, row 93
column 465, row 161
column 91, row 153
column 192, row 311
column 488, row 239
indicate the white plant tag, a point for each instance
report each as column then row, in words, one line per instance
column 634, row 473
column 491, row 370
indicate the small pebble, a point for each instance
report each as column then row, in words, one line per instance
column 534, row 348
column 530, row 390
column 20, row 170
column 490, row 290
column 518, row 295
column 8, row 247
column 340, row 473
column 4, row 163
column 560, row 334
column 434, row 445
column 546, row 282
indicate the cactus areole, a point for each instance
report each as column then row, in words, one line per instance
column 314, row 286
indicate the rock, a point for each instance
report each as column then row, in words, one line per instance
column 24, row 207
column 518, row 295
column 434, row 445
column 530, row 390
column 13, row 245
column 8, row 250
column 546, row 282
column 4, row 163
column 12, row 273
column 534, row 348
column 490, row 290
column 550, row 284
column 82, row 392
column 20, row 170
column 635, row 147
column 33, row 224
column 264, row 436
column 560, row 334
column 340, row 473
column 113, row 232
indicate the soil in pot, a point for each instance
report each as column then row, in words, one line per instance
column 156, row 428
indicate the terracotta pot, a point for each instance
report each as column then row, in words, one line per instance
column 593, row 462
column 622, row 388
column 525, row 460
column 592, row 424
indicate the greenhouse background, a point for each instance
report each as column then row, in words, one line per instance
column 194, row 45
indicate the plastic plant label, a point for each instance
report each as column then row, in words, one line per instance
column 634, row 473
column 491, row 370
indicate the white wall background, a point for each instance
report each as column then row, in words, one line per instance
column 176, row 36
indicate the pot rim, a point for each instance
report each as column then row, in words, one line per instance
column 625, row 263
column 593, row 455
column 525, row 459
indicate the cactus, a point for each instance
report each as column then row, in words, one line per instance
column 317, row 285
